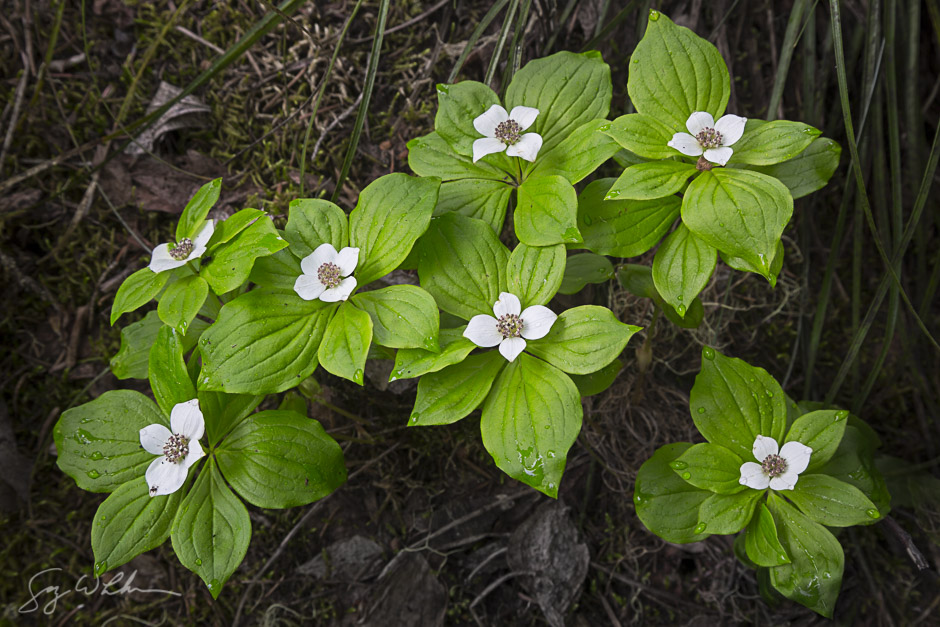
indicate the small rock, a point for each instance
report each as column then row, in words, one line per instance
column 354, row 559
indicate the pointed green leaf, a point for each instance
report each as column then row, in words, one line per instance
column 666, row 504
column 222, row 411
column 579, row 154
column 231, row 264
column 227, row 229
column 403, row 316
column 651, row 180
column 277, row 272
column 743, row 266
column 831, row 502
column 446, row 396
column 196, row 210
column 132, row 360
column 458, row 106
column 596, row 382
column 767, row 143
column 645, row 135
column 761, row 542
column 583, row 269
column 547, row 211
column 583, row 340
column 724, row 514
column 169, row 378
column 682, row 267
column 808, row 171
column 535, row 273
column 430, row 155
column 710, row 467
column 414, row 362
column 137, row 290
column 181, row 301
column 312, row 222
column 821, row 431
column 482, row 199
column 346, row 343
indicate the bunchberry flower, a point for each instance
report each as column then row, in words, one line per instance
column 709, row 138
column 173, row 255
column 178, row 447
column 326, row 274
column 510, row 326
column 503, row 131
column 778, row 468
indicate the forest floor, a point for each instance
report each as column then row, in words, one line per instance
column 426, row 521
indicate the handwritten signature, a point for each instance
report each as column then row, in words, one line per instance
column 86, row 585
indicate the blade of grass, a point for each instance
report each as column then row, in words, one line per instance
column 790, row 40
column 474, row 36
column 50, row 51
column 371, row 70
column 500, row 43
column 515, row 48
column 604, row 33
column 565, row 14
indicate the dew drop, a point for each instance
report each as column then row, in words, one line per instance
column 654, row 15
column 198, row 562
column 357, row 376
column 415, row 416
column 769, row 393
column 94, row 474
column 100, row 567
column 680, row 310
column 686, row 476
column 612, row 194
column 571, row 234
column 873, row 513
column 587, row 220
column 701, row 410
column 708, row 352
column 214, row 584
column 699, row 528
column 842, row 415
column 782, row 558
column 96, row 456
column 678, row 465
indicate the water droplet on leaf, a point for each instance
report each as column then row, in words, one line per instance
column 654, row 15
column 100, row 567
column 96, row 456
column 873, row 513
column 842, row 415
column 678, row 465
column 94, row 474
column 699, row 528
column 686, row 476
column 701, row 410
column 708, row 352
column 198, row 562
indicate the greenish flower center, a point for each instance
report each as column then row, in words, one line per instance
column 709, row 138
column 329, row 275
column 508, row 132
column 182, row 249
column 774, row 465
column 176, row 448
column 509, row 325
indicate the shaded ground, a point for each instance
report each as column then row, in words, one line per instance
column 441, row 532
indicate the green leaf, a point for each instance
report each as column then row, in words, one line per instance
column 227, row 229
column 808, row 171
column 430, row 155
column 767, row 143
column 392, row 212
column 482, row 199
column 651, row 180
column 463, row 265
column 231, row 264
column 710, row 467
column 821, row 431
column 623, row 228
column 132, row 360
column 530, row 420
column 597, row 382
column 277, row 272
column 403, row 316
column 414, row 362
column 222, row 412
column 137, row 290
column 458, row 106
column 674, row 73
column 682, row 267
column 131, row 522
column 263, row 343
column 733, row 402
column 197, row 209
column 854, row 464
column 638, row 280
column 568, row 89
column 535, row 273
column 546, row 212
column 761, row 542
column 579, row 154
column 312, row 222
column 446, row 396
column 724, row 514
column 666, row 504
column 743, row 266
column 831, row 502
column 212, row 530
column 346, row 343
column 645, row 135
column 583, row 269
column 739, row 212
column 814, row 576
column 281, row 459
column 98, row 443
column 583, row 340
column 169, row 378
column 181, row 301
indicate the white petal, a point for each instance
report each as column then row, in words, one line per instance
column 486, row 122
column 764, row 447
column 308, row 286
column 186, row 420
column 537, row 321
column 203, row 236
column 719, row 155
column 482, row 331
column 752, row 475
column 486, row 146
column 340, row 292
column 347, row 260
column 153, row 437
column 797, row 456
column 525, row 116
column 195, row 454
column 786, row 481
column 511, row 347
column 160, row 259
column 699, row 121
column 325, row 253
column 507, row 304
column 731, row 128
column 164, row 477
column 527, row 147
column 686, row 144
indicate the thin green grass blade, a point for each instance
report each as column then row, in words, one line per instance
column 565, row 14
column 611, row 25
column 475, row 36
column 500, row 44
column 790, row 40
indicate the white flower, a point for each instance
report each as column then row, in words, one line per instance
column 709, row 138
column 324, row 272
column 779, row 468
column 509, row 326
column 503, row 131
column 166, row 258
column 178, row 449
